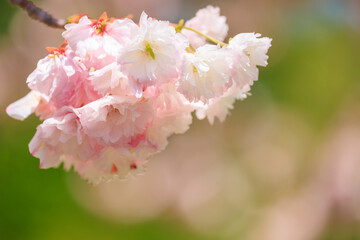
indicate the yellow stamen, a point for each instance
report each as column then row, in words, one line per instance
column 189, row 50
column 149, row 50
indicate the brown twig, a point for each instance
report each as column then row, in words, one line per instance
column 38, row 14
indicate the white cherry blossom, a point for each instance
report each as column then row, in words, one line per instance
column 206, row 74
column 154, row 54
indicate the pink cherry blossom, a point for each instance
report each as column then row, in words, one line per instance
column 58, row 78
column 173, row 115
column 115, row 91
column 61, row 139
column 110, row 79
column 55, row 138
column 114, row 120
column 207, row 21
column 97, row 42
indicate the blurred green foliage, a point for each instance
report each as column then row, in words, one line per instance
column 36, row 204
column 6, row 13
column 319, row 67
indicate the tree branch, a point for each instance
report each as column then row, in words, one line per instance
column 38, row 14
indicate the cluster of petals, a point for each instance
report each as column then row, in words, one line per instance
column 114, row 92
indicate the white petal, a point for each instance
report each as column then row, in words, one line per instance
column 23, row 107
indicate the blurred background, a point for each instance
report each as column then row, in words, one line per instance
column 285, row 165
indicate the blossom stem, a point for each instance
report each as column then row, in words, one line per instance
column 38, row 14
column 179, row 27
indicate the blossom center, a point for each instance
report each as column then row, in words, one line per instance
column 149, row 50
column 55, row 51
column 112, row 111
column 100, row 27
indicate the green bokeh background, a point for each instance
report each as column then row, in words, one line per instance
column 314, row 77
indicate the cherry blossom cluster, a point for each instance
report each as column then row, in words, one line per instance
column 114, row 91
